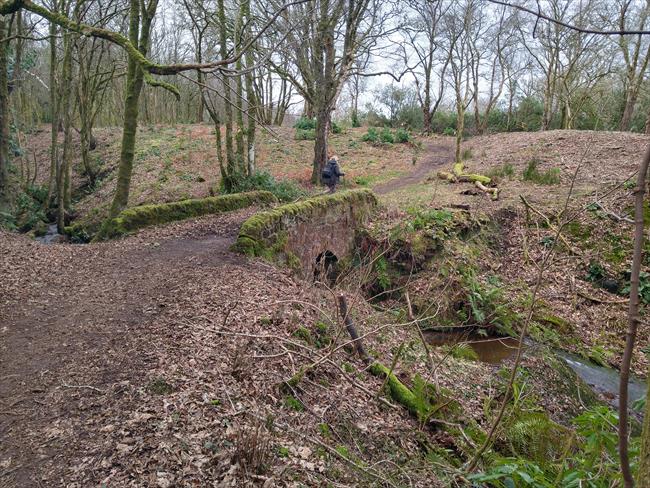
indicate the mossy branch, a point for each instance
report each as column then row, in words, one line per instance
column 459, row 174
column 398, row 390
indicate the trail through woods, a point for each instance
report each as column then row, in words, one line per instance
column 79, row 329
column 437, row 156
column 86, row 327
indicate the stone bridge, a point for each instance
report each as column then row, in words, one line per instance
column 308, row 233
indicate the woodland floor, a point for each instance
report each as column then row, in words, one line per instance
column 147, row 361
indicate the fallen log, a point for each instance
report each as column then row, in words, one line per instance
column 494, row 192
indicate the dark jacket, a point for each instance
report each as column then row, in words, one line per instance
column 331, row 173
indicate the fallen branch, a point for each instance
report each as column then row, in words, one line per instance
column 459, row 174
column 494, row 192
column 349, row 325
column 88, row 387
column 598, row 300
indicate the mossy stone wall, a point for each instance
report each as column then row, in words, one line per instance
column 296, row 234
column 135, row 218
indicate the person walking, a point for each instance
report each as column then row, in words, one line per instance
column 332, row 173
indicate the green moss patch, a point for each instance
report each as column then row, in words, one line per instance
column 265, row 234
column 135, row 218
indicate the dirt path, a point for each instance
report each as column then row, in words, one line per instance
column 76, row 331
column 437, row 155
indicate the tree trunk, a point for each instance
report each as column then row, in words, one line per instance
column 628, row 111
column 239, row 99
column 320, row 145
column 460, row 127
column 65, row 168
column 223, row 26
column 134, row 81
column 4, row 119
column 251, row 104
column 54, row 116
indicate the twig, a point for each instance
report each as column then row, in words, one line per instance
column 419, row 329
column 598, row 300
column 82, row 387
column 633, row 321
column 329, row 449
column 548, row 223
column 356, row 340
column 471, row 465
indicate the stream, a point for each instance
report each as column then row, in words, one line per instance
column 51, row 236
column 494, row 350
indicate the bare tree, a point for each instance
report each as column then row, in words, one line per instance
column 460, row 27
column 423, row 36
column 636, row 54
column 325, row 37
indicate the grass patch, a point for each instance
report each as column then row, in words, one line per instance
column 548, row 177
column 305, row 135
column 506, row 170
column 284, row 190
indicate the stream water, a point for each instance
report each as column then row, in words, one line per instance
column 52, row 235
column 494, row 350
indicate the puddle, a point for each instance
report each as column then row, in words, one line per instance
column 52, row 235
column 494, row 350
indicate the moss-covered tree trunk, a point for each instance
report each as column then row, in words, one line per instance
column 4, row 119
column 460, row 128
column 134, row 79
column 139, row 34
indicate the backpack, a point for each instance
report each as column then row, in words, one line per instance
column 327, row 172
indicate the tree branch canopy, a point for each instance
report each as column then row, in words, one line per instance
column 148, row 66
column 540, row 15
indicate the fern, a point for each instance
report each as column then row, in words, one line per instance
column 464, row 351
column 534, row 436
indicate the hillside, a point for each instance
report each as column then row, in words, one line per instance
column 162, row 359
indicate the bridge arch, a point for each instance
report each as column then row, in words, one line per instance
column 300, row 234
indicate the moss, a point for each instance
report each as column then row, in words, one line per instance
column 567, row 382
column 293, row 261
column 78, row 233
column 398, row 390
column 135, row 218
column 579, row 231
column 160, row 387
column 558, row 323
column 40, row 229
column 293, row 403
column 304, row 334
column 264, row 233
